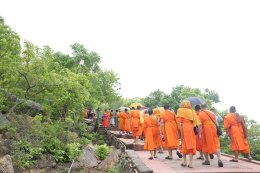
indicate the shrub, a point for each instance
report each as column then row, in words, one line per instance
column 102, row 151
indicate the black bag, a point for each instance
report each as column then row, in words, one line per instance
column 219, row 131
column 196, row 130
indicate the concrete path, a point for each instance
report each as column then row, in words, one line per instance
column 161, row 165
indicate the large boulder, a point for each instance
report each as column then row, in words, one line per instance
column 110, row 161
column 87, row 159
column 6, row 165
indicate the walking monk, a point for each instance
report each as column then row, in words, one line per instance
column 169, row 130
column 187, row 120
column 121, row 122
column 236, row 129
column 126, row 119
column 149, row 143
column 106, row 118
column 156, row 132
column 136, row 125
column 210, row 140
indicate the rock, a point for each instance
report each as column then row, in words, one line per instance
column 91, row 128
column 87, row 159
column 3, row 121
column 110, row 161
column 46, row 161
column 6, row 165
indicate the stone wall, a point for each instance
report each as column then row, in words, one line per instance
column 129, row 161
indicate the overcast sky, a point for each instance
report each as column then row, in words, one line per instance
column 156, row 44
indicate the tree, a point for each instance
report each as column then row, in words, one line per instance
column 156, row 98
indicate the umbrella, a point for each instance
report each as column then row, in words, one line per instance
column 122, row 109
column 194, row 101
column 135, row 105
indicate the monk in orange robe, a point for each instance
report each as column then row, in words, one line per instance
column 169, row 130
column 86, row 113
column 106, row 119
column 126, row 118
column 198, row 136
column 235, row 127
column 157, row 117
column 210, row 140
column 156, row 131
column 149, row 143
column 121, row 122
column 136, row 125
column 187, row 120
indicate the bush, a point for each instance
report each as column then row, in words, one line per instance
column 102, row 151
column 33, row 137
column 115, row 169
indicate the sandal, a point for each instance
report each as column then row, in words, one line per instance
column 233, row 160
column 168, row 157
column 183, row 165
column 179, row 154
column 220, row 163
column 150, row 158
column 206, row 163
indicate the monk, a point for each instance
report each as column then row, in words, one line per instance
column 210, row 140
column 170, row 130
column 149, row 143
column 187, row 120
column 235, row 127
column 126, row 119
column 157, row 117
column 121, row 123
column 106, row 119
column 136, row 125
column 86, row 113
column 198, row 136
column 156, row 131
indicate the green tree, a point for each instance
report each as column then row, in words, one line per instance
column 156, row 98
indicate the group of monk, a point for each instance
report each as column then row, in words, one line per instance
column 165, row 129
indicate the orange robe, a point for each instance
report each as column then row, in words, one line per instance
column 86, row 113
column 106, row 120
column 121, row 122
column 156, row 131
column 210, row 140
column 188, row 119
column 149, row 143
column 170, row 130
column 136, row 124
column 238, row 142
column 126, row 119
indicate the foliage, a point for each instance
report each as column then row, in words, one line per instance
column 158, row 98
column 115, row 169
column 102, row 151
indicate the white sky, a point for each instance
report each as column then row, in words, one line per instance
column 156, row 44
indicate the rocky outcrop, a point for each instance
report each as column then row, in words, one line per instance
column 110, row 161
column 129, row 161
column 6, row 165
column 87, row 159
